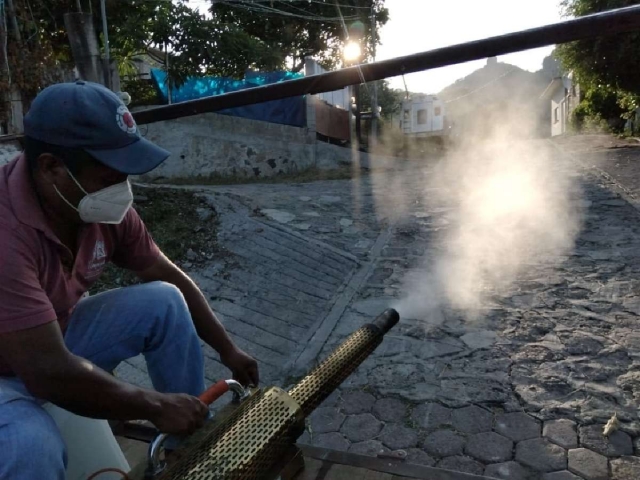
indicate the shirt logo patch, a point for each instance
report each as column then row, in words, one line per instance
column 98, row 251
column 125, row 120
column 98, row 260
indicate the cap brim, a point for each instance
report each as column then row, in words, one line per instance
column 137, row 158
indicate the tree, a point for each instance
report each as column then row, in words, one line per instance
column 294, row 29
column 607, row 67
column 389, row 99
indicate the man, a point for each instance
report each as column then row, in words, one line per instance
column 64, row 213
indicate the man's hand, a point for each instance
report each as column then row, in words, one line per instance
column 179, row 414
column 209, row 328
column 243, row 367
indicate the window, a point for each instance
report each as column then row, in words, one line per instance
column 556, row 117
column 422, row 117
column 437, row 112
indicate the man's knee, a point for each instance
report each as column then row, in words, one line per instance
column 31, row 442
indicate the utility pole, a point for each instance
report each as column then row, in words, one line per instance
column 84, row 46
column 14, row 21
column 105, row 35
column 374, row 91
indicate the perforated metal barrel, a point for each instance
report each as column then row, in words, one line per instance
column 251, row 441
column 328, row 376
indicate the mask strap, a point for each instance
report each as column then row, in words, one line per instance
column 76, row 181
column 63, row 198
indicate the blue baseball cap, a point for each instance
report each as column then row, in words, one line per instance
column 91, row 117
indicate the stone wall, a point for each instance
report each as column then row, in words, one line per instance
column 220, row 145
column 330, row 156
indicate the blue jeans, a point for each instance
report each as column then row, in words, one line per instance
column 106, row 329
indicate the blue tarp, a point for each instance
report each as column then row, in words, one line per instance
column 288, row 111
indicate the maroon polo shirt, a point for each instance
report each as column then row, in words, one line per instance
column 40, row 280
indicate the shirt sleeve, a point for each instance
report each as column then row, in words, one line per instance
column 24, row 303
column 135, row 249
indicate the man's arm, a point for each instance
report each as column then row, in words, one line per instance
column 41, row 360
column 209, row 328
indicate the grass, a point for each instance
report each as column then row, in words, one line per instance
column 172, row 218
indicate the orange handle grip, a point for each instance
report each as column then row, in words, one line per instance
column 214, row 392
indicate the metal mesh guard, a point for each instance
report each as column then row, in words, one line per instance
column 245, row 445
column 327, row 376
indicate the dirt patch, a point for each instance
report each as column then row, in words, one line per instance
column 183, row 225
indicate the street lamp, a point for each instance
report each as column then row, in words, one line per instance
column 352, row 54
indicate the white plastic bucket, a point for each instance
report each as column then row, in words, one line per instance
column 90, row 443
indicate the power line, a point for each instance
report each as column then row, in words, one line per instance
column 259, row 8
column 319, row 2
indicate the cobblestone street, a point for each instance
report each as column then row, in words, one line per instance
column 520, row 393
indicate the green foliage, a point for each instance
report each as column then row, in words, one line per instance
column 238, row 36
column 389, row 99
column 306, row 28
column 142, row 92
column 607, row 67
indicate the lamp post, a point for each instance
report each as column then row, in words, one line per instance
column 352, row 54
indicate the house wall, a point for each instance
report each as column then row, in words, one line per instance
column 558, row 113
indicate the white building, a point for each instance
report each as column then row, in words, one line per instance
column 422, row 116
column 564, row 95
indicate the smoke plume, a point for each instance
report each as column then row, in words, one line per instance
column 509, row 201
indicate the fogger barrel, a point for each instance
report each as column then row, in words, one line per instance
column 250, row 442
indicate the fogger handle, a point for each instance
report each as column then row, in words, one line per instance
column 214, row 392
column 221, row 387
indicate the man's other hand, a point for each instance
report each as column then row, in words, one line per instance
column 179, row 414
column 243, row 367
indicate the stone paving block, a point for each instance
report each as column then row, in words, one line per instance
column 517, row 426
column 368, row 447
column 541, row 455
column 625, row 468
column 390, row 410
column 333, row 441
column 588, row 464
column 507, row 471
column 358, row 428
column 562, row 475
column 332, row 400
column 419, row 457
column 398, row 437
column 357, row 402
column 326, row 419
column 472, row 419
column 431, row 416
column 489, row 447
column 618, row 443
column 444, row 443
column 561, row 432
column 461, row 464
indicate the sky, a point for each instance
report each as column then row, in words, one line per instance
column 420, row 25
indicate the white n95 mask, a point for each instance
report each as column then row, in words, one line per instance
column 108, row 205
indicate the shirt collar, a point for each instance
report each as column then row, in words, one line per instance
column 24, row 200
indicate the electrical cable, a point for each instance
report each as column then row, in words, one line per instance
column 109, row 470
column 259, row 8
